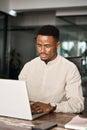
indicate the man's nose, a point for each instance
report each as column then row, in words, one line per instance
column 43, row 49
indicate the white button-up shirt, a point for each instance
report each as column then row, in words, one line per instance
column 58, row 82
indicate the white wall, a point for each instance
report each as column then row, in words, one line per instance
column 23, row 5
column 4, row 5
column 45, row 4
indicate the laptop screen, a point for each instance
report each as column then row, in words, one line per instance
column 14, row 100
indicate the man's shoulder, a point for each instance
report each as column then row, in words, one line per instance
column 33, row 61
column 67, row 62
column 36, row 59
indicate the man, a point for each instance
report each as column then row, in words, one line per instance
column 54, row 83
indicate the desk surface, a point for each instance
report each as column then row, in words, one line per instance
column 7, row 123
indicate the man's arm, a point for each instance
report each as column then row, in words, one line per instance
column 74, row 102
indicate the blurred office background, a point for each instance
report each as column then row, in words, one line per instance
column 18, row 31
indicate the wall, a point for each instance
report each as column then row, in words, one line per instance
column 4, row 6
column 46, row 4
column 57, row 5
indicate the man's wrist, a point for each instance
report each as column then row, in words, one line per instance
column 53, row 107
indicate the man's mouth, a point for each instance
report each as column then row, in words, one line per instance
column 43, row 55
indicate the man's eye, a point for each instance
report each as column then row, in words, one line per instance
column 47, row 46
column 38, row 45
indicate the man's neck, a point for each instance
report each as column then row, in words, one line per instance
column 46, row 61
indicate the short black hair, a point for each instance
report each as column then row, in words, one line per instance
column 49, row 30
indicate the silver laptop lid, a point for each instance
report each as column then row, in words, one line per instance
column 14, row 100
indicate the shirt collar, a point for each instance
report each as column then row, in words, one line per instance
column 51, row 62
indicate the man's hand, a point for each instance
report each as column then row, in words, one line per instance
column 39, row 107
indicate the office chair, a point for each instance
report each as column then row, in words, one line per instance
column 77, row 61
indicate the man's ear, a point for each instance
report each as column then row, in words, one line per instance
column 58, row 44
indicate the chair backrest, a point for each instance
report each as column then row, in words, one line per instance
column 77, row 61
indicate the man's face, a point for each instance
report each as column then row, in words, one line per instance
column 47, row 47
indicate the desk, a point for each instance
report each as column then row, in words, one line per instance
column 7, row 123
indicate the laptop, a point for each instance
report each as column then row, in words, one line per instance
column 14, row 100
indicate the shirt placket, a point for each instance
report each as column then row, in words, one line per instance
column 44, row 77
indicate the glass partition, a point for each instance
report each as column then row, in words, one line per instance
column 73, row 38
column 4, row 46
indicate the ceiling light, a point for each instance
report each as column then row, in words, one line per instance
column 13, row 13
